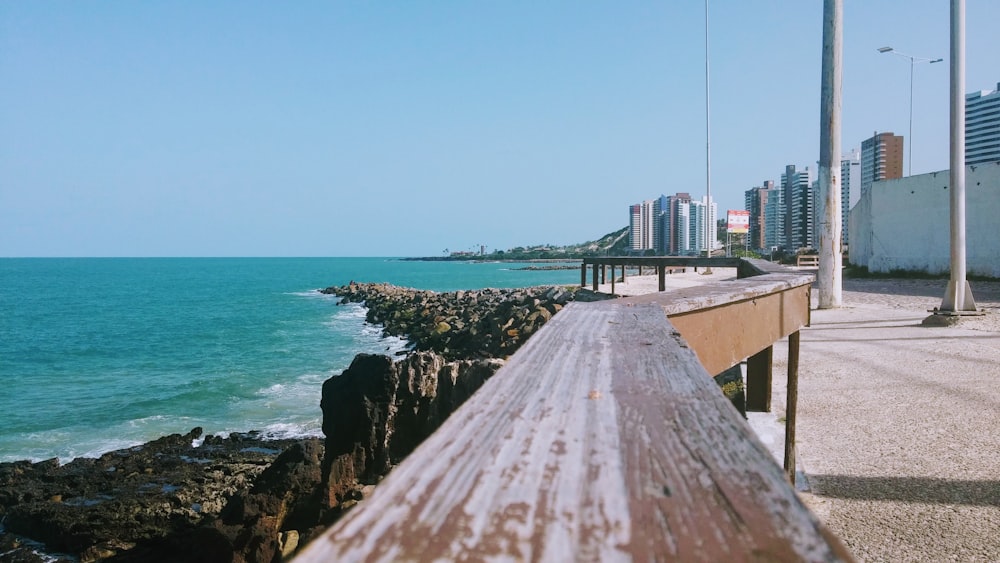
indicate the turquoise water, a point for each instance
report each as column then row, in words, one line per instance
column 100, row 354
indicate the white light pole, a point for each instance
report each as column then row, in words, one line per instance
column 909, row 164
column 958, row 295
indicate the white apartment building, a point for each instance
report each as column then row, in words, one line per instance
column 642, row 230
column 699, row 213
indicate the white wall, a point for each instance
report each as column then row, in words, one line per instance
column 904, row 224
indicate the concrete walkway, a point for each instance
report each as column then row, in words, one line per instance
column 899, row 424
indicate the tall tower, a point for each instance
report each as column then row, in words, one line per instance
column 774, row 219
column 641, row 222
column 797, row 186
column 881, row 159
column 850, row 189
column 755, row 200
column 982, row 126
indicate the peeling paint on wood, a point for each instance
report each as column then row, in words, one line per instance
column 601, row 439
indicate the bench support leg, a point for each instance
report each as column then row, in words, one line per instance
column 791, row 405
column 759, row 381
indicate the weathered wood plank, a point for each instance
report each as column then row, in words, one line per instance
column 602, row 439
column 727, row 322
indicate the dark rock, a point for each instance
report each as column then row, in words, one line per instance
column 377, row 411
column 485, row 323
column 142, row 501
column 284, row 499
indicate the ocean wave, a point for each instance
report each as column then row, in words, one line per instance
column 312, row 293
column 286, row 430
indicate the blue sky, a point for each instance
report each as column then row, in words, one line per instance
column 404, row 128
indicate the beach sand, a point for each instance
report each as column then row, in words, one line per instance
column 898, row 433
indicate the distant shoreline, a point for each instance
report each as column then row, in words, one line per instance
column 486, row 259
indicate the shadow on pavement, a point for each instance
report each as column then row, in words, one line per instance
column 908, row 489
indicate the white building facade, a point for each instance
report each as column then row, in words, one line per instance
column 642, row 229
column 904, row 224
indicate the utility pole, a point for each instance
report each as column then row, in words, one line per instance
column 958, row 295
column 830, row 260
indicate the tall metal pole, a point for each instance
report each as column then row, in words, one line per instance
column 909, row 157
column 913, row 60
column 830, row 260
column 708, row 154
column 958, row 295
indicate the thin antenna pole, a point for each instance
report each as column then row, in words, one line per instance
column 708, row 153
column 909, row 158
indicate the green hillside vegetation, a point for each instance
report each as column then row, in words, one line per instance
column 611, row 244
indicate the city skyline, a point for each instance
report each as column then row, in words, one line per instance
column 293, row 130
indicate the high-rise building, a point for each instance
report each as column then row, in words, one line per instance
column 881, row 159
column 702, row 215
column 774, row 219
column 755, row 200
column 689, row 226
column 850, row 189
column 799, row 201
column 641, row 221
column 682, row 229
column 669, row 227
column 661, row 208
column 982, row 126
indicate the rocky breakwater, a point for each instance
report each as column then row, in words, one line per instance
column 381, row 408
column 485, row 323
column 235, row 498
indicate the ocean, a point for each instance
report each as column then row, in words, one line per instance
column 98, row 354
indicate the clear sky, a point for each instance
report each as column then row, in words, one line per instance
column 183, row 128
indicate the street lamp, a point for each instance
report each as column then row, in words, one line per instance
column 909, row 166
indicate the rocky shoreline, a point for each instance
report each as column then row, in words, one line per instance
column 245, row 498
column 164, row 500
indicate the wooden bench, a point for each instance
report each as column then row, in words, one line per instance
column 602, row 439
column 808, row 260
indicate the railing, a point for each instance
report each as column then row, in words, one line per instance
column 663, row 265
column 604, row 438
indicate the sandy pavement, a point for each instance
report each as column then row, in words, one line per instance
column 898, row 423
